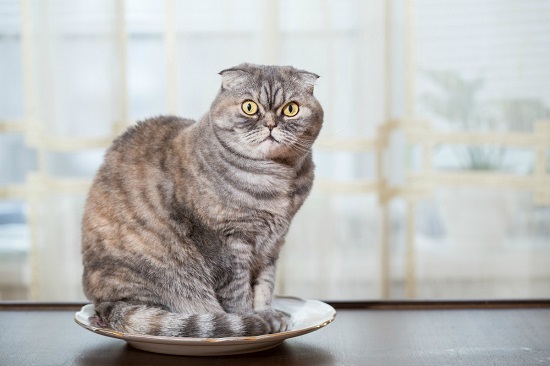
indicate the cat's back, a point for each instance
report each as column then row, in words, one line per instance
column 144, row 150
column 149, row 136
column 136, row 169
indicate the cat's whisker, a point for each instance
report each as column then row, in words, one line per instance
column 250, row 134
column 249, row 137
column 298, row 144
column 297, row 148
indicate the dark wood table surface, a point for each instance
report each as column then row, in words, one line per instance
column 368, row 333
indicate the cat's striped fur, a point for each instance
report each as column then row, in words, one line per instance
column 185, row 220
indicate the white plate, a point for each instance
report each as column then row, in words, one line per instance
column 306, row 316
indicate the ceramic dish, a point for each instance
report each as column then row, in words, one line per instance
column 306, row 316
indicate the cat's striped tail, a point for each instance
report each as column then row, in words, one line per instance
column 144, row 319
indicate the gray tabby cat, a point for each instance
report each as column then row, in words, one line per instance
column 185, row 220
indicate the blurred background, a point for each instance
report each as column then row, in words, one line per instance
column 433, row 166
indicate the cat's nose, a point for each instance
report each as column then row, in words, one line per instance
column 270, row 121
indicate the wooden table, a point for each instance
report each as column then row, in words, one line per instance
column 368, row 333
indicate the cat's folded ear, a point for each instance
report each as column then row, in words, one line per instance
column 233, row 78
column 309, row 79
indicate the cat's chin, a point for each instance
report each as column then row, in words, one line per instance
column 271, row 148
column 270, row 142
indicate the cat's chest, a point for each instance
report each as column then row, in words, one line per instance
column 261, row 209
column 253, row 201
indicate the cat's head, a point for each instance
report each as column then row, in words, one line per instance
column 267, row 111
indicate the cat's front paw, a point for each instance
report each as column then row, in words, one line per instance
column 278, row 321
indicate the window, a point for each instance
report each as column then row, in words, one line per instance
column 432, row 167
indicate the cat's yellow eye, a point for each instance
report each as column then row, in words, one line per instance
column 249, row 107
column 291, row 109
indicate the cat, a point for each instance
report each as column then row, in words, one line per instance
column 184, row 220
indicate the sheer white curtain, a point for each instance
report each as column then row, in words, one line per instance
column 429, row 107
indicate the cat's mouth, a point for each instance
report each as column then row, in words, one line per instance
column 270, row 138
